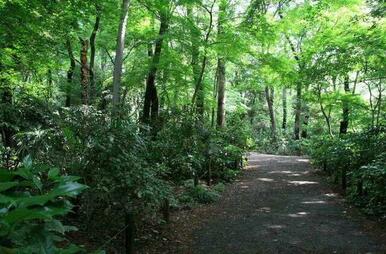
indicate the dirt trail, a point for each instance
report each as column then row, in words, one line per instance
column 279, row 205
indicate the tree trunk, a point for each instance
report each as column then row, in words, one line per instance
column 221, row 81
column 70, row 73
column 151, row 104
column 118, row 62
column 298, row 111
column 284, row 101
column 221, row 93
column 50, row 84
column 199, row 96
column 92, row 54
column 326, row 116
column 84, row 71
column 7, row 131
column 269, row 95
column 345, row 107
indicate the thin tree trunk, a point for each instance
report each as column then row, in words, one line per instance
column 326, row 117
column 118, row 62
column 379, row 103
column 92, row 54
column 284, row 102
column 221, row 79
column 7, row 131
column 84, row 71
column 199, row 96
column 298, row 111
column 269, row 95
column 345, row 108
column 221, row 93
column 49, row 83
column 298, row 105
column 151, row 104
column 70, row 73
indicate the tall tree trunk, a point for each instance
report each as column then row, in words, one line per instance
column 345, row 107
column 70, row 73
column 221, row 93
column 326, row 116
column 306, row 117
column 269, row 95
column 151, row 104
column 298, row 111
column 7, row 131
column 298, row 105
column 50, row 84
column 284, row 102
column 118, row 62
column 199, row 96
column 84, row 71
column 92, row 54
column 221, row 70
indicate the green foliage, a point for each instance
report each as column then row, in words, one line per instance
column 200, row 194
column 32, row 198
column 361, row 157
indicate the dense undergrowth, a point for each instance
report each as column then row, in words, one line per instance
column 356, row 161
column 128, row 171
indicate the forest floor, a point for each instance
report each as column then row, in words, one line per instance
column 279, row 205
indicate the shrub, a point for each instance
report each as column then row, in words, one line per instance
column 357, row 161
column 33, row 197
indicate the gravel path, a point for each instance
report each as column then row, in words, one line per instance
column 280, row 206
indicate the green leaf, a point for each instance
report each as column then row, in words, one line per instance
column 53, row 173
column 5, row 175
column 23, row 214
column 7, row 185
column 27, row 162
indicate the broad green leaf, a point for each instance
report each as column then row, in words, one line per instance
column 7, row 185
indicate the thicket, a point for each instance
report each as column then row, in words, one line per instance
column 152, row 104
column 133, row 176
column 356, row 162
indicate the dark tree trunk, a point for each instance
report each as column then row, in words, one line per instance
column 6, row 100
column 221, row 69
column 70, row 73
column 345, row 108
column 50, row 84
column 284, row 98
column 306, row 118
column 129, row 233
column 269, row 95
column 221, row 93
column 84, row 71
column 298, row 111
column 199, row 96
column 151, row 104
column 92, row 54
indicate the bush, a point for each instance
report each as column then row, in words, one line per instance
column 33, row 197
column 200, row 194
column 357, row 161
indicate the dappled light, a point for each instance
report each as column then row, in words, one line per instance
column 302, row 182
column 265, row 179
column 298, row 214
column 192, row 126
column 315, row 202
column 276, row 226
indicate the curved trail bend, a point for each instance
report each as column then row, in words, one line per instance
column 280, row 206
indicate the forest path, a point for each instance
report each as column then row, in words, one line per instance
column 280, row 205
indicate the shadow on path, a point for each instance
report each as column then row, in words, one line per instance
column 279, row 206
